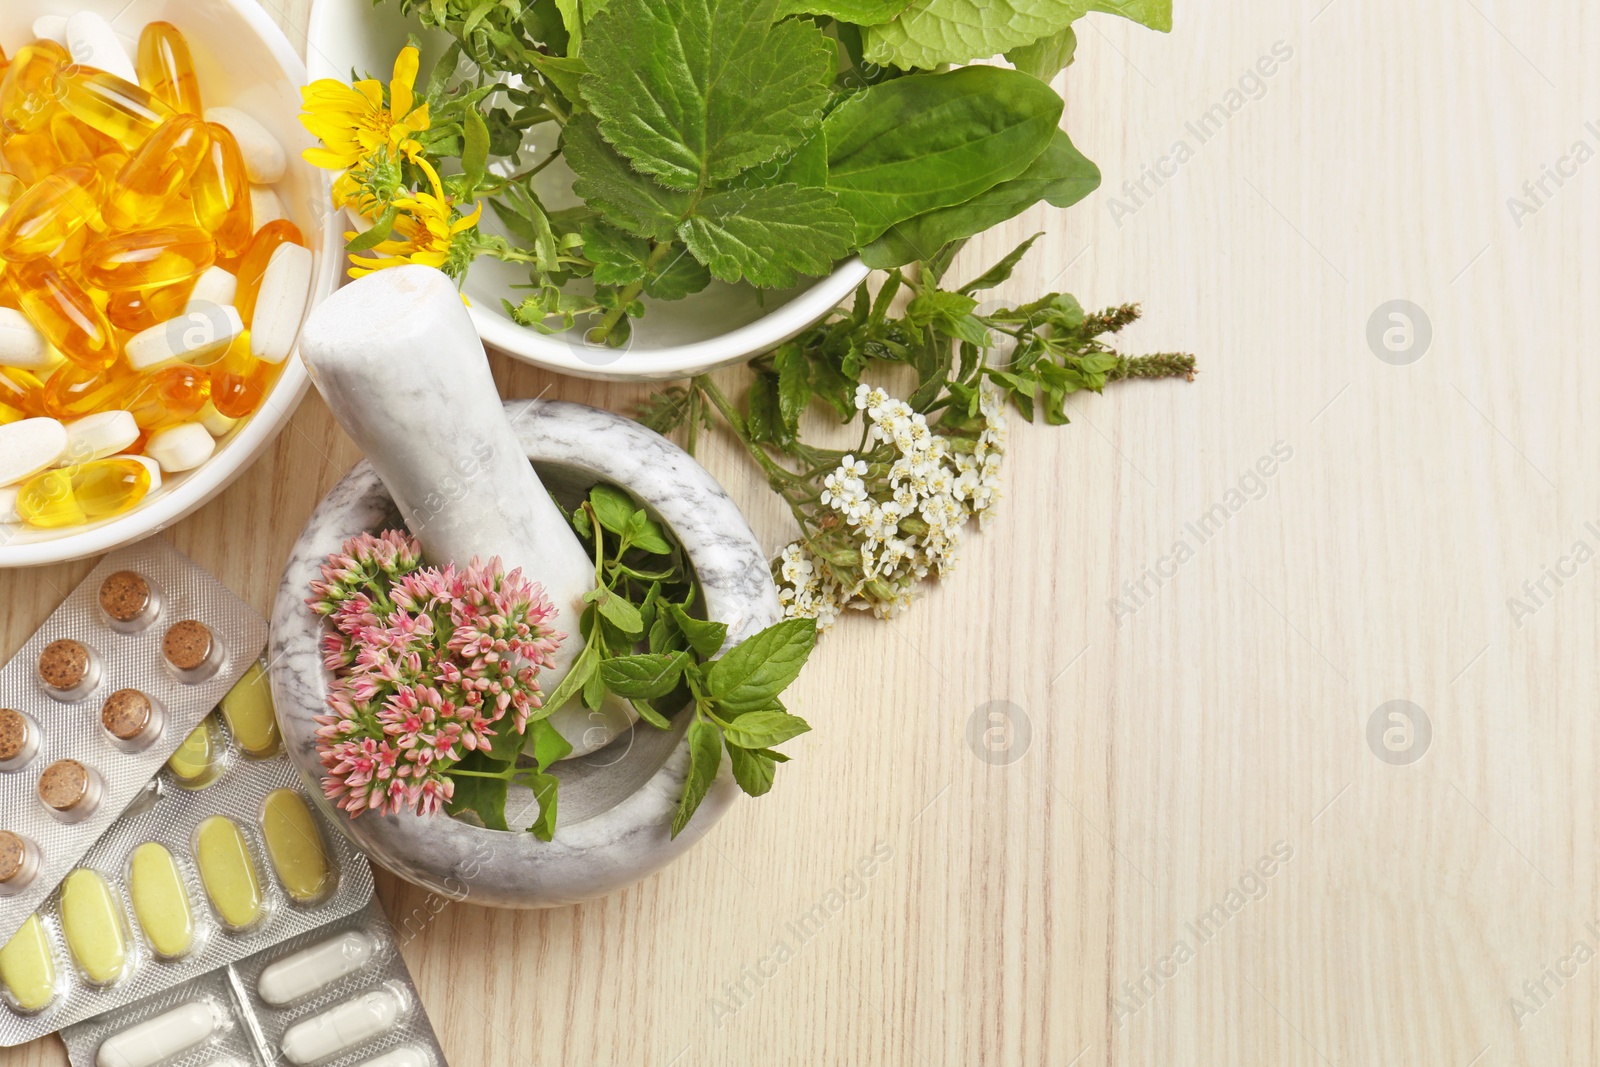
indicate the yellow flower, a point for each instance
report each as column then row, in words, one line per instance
column 352, row 123
column 423, row 232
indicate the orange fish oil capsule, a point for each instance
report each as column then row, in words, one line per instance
column 84, row 492
column 78, row 143
column 239, row 381
column 144, row 259
column 221, row 194
column 31, row 156
column 119, row 109
column 11, row 187
column 66, row 314
column 158, row 171
column 22, row 390
column 31, row 88
column 140, row 309
column 72, row 392
column 172, row 394
column 166, row 68
column 49, row 211
column 254, row 262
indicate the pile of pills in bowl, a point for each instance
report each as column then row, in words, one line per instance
column 152, row 287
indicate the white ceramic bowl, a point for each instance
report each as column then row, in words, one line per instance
column 243, row 60
column 675, row 339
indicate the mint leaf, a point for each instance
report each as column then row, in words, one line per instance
column 646, row 533
column 612, row 507
column 931, row 32
column 705, row 756
column 763, row 729
column 624, row 196
column 759, row 668
column 768, row 235
column 704, row 637
column 695, row 91
column 645, row 676
column 752, row 770
column 927, row 141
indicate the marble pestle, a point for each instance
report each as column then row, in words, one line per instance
column 397, row 360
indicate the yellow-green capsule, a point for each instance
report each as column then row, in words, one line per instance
column 295, row 846
column 92, row 921
column 228, row 872
column 28, row 967
column 195, row 765
column 250, row 714
column 160, row 900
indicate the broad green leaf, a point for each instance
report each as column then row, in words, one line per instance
column 705, row 637
column 858, row 12
column 645, row 676
column 1046, row 57
column 583, row 668
column 486, row 797
column 650, row 715
column 545, row 744
column 646, row 533
column 621, row 614
column 369, row 239
column 612, row 507
column 620, row 193
column 794, row 384
column 682, row 276
column 705, row 756
column 572, row 18
column 1060, row 176
column 764, row 422
column 768, row 235
column 806, row 166
column 1001, row 270
column 751, row 770
column 759, row 668
column 695, row 91
column 619, row 258
column 474, row 147
column 547, row 790
column 1157, row 14
column 763, row 729
column 928, row 141
column 932, row 32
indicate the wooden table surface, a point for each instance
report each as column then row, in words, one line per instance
column 1205, row 844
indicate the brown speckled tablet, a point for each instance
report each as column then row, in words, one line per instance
column 13, row 855
column 14, row 730
column 64, row 784
column 124, row 596
column 126, row 714
column 187, row 645
column 63, row 664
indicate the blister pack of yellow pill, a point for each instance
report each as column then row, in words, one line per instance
column 96, row 702
column 338, row 996
column 222, row 857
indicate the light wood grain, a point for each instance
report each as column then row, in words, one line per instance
column 1229, row 714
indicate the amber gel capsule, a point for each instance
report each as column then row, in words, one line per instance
column 47, row 213
column 254, row 263
column 33, row 157
column 159, row 172
column 145, row 259
column 66, row 314
column 117, row 108
column 221, row 194
column 166, row 69
column 28, row 91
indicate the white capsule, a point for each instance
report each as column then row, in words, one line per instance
column 303, row 973
column 215, row 286
column 21, row 345
column 105, row 433
column 93, row 43
column 159, row 1038
column 281, row 303
column 29, row 446
column 202, row 330
column 216, row 423
column 264, row 161
column 404, row 1056
column 265, row 206
column 51, row 28
column 150, row 465
column 343, row 1027
column 180, row 448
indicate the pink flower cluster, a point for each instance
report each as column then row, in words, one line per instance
column 427, row 661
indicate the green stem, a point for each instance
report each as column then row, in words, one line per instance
column 629, row 294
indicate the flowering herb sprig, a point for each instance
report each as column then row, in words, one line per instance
column 877, row 518
column 429, row 664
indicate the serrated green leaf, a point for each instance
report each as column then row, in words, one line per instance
column 624, row 196
column 763, row 729
column 794, row 384
column 695, row 91
column 682, row 276
column 705, row 637
column 1046, row 57
column 929, row 141
column 757, row 670
column 621, row 614
column 768, row 235
column 619, row 258
column 705, row 756
column 857, row 12
column 764, row 422
column 752, row 770
column 1060, row 176
column 645, row 676
column 933, row 32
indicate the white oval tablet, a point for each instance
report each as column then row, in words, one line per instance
column 8, row 504
column 180, row 448
column 342, row 1027
column 281, row 303
column 404, row 1056
column 265, row 206
column 159, row 1038
column 21, row 345
column 51, row 28
column 264, row 161
column 29, row 446
column 93, row 43
column 202, row 330
column 96, row 436
column 216, row 423
column 303, row 973
column 215, row 286
column 150, row 465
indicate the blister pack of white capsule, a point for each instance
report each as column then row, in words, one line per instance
column 222, row 857
column 97, row 700
column 338, row 996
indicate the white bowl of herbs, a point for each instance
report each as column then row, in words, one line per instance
column 649, row 189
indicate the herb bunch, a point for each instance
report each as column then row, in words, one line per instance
column 754, row 141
